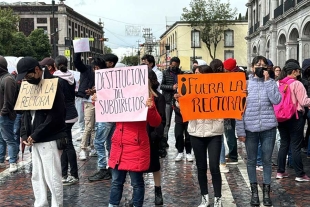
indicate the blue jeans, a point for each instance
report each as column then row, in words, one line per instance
column 118, row 180
column 259, row 155
column 17, row 125
column 110, row 137
column 222, row 156
column 79, row 105
column 7, row 138
column 102, row 133
column 267, row 139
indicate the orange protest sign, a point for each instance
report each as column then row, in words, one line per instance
column 212, row 96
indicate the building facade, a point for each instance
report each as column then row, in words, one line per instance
column 183, row 41
column 63, row 28
column 279, row 30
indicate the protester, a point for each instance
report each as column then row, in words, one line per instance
column 7, row 116
column 277, row 71
column 40, row 129
column 149, row 60
column 49, row 64
column 306, row 75
column 259, row 124
column 67, row 82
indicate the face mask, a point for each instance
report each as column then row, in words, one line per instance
column 174, row 69
column 259, row 72
column 34, row 80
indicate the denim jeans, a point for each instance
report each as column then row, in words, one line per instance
column 213, row 145
column 17, row 125
column 259, row 155
column 267, row 139
column 118, row 180
column 108, row 141
column 169, row 111
column 222, row 156
column 291, row 132
column 7, row 138
column 79, row 105
column 232, row 140
column 102, row 132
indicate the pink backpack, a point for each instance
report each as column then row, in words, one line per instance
column 286, row 108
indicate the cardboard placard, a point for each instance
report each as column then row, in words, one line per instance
column 121, row 94
column 37, row 97
column 212, row 96
column 81, row 45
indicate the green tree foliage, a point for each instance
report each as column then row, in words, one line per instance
column 240, row 17
column 8, row 24
column 130, row 60
column 107, row 50
column 20, row 46
column 40, row 44
column 211, row 17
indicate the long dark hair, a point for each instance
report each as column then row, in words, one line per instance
column 61, row 63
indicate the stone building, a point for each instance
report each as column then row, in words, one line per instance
column 279, row 30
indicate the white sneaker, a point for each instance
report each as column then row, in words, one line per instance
column 79, row 138
column 179, row 157
column 13, row 167
column 259, row 168
column 217, row 202
column 2, row 165
column 189, row 157
column 93, row 153
column 7, row 158
column 70, row 181
column 204, row 201
column 82, row 155
column 224, row 168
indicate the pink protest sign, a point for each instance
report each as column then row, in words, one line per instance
column 81, row 45
column 121, row 94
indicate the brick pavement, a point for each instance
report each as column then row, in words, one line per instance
column 179, row 185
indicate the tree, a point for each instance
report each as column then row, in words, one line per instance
column 107, row 50
column 246, row 15
column 240, row 17
column 130, row 60
column 20, row 46
column 40, row 44
column 8, row 24
column 211, row 18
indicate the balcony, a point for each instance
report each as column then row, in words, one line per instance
column 278, row 11
column 266, row 19
column 251, row 30
column 288, row 4
column 256, row 26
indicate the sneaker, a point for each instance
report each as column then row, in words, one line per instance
column 304, row 178
column 93, row 153
column 179, row 157
column 100, row 175
column 64, row 178
column 217, row 202
column 7, row 158
column 231, row 162
column 79, row 138
column 82, row 155
column 13, row 167
column 189, row 157
column 259, row 168
column 224, row 168
column 2, row 165
column 71, row 180
column 281, row 175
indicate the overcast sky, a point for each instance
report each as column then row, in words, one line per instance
column 117, row 14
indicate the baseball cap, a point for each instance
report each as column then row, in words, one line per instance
column 47, row 61
column 25, row 65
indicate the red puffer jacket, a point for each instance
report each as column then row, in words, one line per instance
column 130, row 148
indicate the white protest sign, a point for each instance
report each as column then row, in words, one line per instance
column 36, row 97
column 121, row 94
column 81, row 45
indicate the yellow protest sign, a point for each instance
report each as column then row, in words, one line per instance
column 37, row 97
column 67, row 53
column 212, row 96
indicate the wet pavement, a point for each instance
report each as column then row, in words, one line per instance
column 179, row 184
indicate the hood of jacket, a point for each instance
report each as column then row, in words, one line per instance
column 68, row 76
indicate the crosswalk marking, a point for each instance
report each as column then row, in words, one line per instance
column 227, row 197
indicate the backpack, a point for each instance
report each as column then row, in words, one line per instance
column 286, row 108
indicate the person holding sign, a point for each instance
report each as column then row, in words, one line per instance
column 40, row 129
column 258, row 124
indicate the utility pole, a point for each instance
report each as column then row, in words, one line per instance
column 54, row 30
column 138, row 52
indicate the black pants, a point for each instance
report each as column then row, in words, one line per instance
column 180, row 130
column 232, row 140
column 69, row 155
column 200, row 146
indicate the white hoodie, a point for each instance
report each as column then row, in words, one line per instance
column 68, row 76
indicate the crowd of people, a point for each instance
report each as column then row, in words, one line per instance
column 136, row 147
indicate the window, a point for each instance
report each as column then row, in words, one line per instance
column 195, row 37
column 228, row 38
column 228, row 54
column 44, row 28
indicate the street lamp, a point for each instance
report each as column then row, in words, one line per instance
column 54, row 32
column 167, row 46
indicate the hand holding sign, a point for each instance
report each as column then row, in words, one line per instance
column 81, row 45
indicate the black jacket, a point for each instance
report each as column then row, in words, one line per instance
column 7, row 94
column 69, row 95
column 87, row 76
column 177, row 112
column 169, row 79
column 48, row 125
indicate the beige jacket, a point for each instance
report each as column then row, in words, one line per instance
column 206, row 127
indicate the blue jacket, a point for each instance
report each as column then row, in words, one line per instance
column 259, row 114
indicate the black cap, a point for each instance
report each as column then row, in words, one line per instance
column 291, row 66
column 25, row 65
